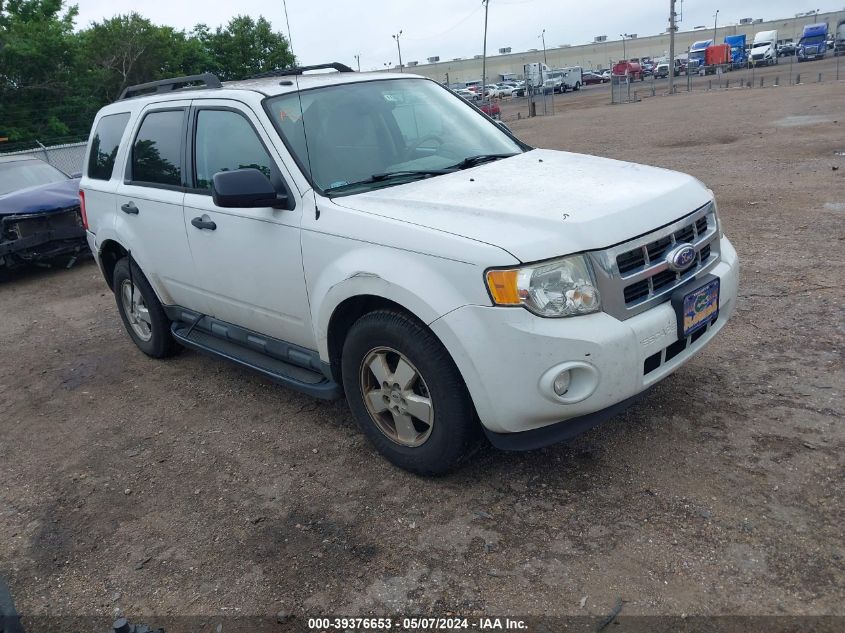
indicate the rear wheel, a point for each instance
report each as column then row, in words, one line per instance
column 141, row 311
column 407, row 394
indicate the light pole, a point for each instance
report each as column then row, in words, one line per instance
column 484, row 52
column 715, row 25
column 358, row 59
column 672, row 28
column 387, row 66
column 399, row 48
column 624, row 53
column 543, row 37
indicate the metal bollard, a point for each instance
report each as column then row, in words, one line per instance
column 710, row 84
column 777, row 80
column 762, row 81
column 728, row 84
column 797, row 79
column 820, row 78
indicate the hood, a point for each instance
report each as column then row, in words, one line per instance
column 541, row 204
column 42, row 198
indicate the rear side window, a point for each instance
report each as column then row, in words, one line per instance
column 157, row 150
column 105, row 144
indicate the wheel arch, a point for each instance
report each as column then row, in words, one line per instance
column 111, row 252
column 346, row 313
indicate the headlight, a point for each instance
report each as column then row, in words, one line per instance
column 560, row 288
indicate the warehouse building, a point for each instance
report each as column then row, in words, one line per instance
column 604, row 51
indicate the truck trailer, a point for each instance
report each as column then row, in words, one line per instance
column 739, row 57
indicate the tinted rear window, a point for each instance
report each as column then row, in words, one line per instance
column 157, row 151
column 105, row 144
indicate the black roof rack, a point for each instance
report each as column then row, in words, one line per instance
column 166, row 85
column 298, row 70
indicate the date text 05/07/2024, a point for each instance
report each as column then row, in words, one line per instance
column 417, row 624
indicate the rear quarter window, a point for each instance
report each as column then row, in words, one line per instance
column 104, row 145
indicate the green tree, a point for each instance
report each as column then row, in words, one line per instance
column 37, row 58
column 245, row 47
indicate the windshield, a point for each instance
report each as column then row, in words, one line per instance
column 815, row 39
column 27, row 173
column 358, row 130
column 696, row 55
column 759, row 44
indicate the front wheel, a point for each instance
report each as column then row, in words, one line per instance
column 407, row 394
column 141, row 311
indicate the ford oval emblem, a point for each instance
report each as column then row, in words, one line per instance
column 681, row 257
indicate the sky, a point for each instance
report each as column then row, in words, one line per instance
column 337, row 30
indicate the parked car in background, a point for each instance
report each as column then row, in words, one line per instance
column 606, row 74
column 661, row 71
column 492, row 110
column 505, row 90
column 492, row 91
column 787, row 49
column 591, row 78
column 40, row 218
column 469, row 95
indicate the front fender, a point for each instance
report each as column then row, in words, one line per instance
column 428, row 287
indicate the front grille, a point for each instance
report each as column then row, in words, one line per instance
column 21, row 226
column 635, row 276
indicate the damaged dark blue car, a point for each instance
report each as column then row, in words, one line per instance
column 40, row 217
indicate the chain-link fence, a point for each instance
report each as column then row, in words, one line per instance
column 68, row 157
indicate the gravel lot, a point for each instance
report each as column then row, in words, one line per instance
column 192, row 487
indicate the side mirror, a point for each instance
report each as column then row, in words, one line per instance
column 504, row 126
column 245, row 188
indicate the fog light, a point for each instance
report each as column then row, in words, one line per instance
column 561, row 384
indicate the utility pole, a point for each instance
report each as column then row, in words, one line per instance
column 358, row 59
column 624, row 53
column 543, row 37
column 484, row 52
column 672, row 29
column 715, row 23
column 399, row 48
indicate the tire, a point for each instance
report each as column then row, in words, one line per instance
column 148, row 326
column 384, row 340
column 577, row 85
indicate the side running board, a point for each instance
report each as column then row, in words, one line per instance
column 305, row 380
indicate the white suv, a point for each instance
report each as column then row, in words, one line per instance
column 375, row 234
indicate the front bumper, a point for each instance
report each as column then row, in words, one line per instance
column 38, row 238
column 508, row 358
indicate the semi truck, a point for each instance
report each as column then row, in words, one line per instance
column 739, row 57
column 839, row 44
column 764, row 49
column 813, row 42
column 696, row 60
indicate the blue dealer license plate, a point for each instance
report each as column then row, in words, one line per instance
column 700, row 307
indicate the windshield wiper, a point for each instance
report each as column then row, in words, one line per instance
column 478, row 159
column 393, row 175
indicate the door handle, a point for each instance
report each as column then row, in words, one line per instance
column 204, row 223
column 129, row 208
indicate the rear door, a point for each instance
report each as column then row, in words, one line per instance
column 149, row 215
column 249, row 265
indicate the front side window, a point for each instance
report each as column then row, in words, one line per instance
column 157, row 151
column 226, row 141
column 104, row 145
column 345, row 135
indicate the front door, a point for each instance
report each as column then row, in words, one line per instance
column 249, row 266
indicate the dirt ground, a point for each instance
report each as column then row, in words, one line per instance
column 192, row 487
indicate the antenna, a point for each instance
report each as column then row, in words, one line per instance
column 301, row 109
